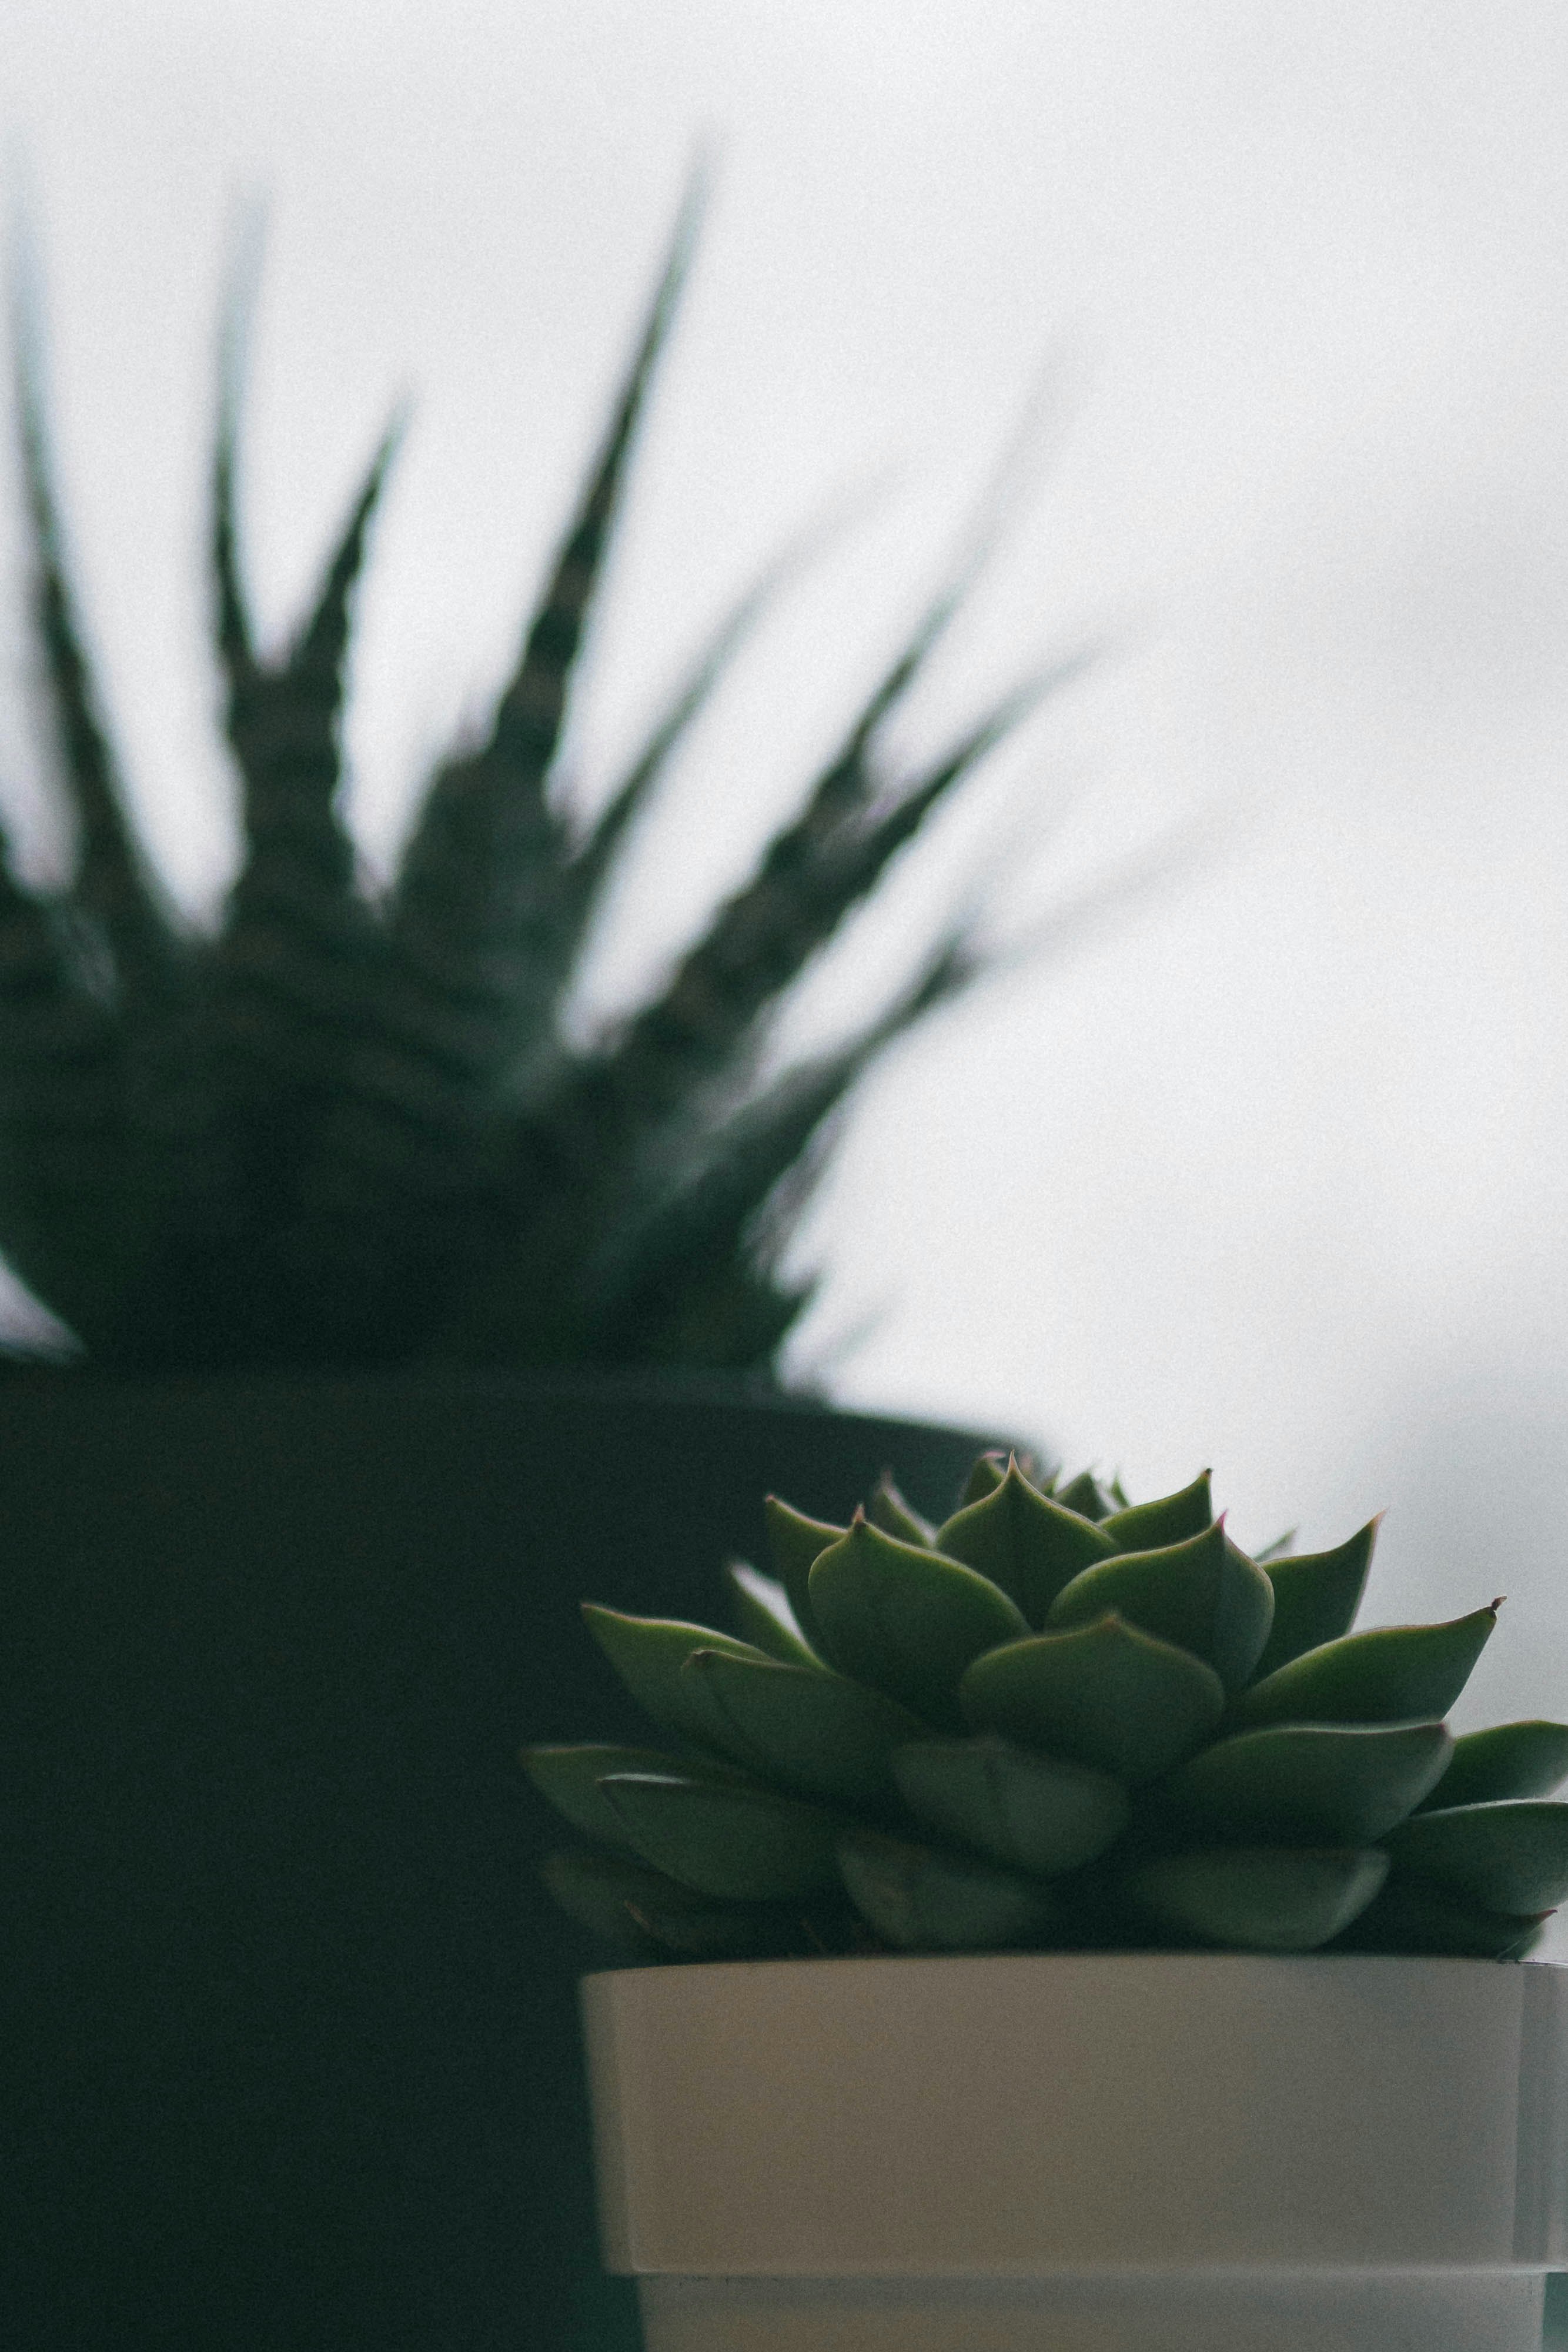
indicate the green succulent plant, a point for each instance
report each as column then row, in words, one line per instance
column 1059, row 1721
column 344, row 1129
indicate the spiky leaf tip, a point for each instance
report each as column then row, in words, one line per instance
column 1394, row 1673
column 648, row 1653
column 1202, row 1594
column 1024, row 1542
column 906, row 1621
column 1170, row 1519
column 764, row 1616
column 1316, row 1596
column 796, row 1542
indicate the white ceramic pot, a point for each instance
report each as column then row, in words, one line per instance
column 1084, row 2153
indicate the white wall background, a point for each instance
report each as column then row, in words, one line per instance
column 1270, row 1170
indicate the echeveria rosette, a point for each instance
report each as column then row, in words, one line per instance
column 1059, row 1721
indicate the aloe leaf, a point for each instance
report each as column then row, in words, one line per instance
column 1201, row 1594
column 1084, row 1495
column 648, row 1653
column 114, row 887
column 814, row 1733
column 1508, row 1856
column 595, row 862
column 1396, row 1674
column 756, row 1174
column 1258, row 1899
column 1410, row 1915
column 75, row 1228
column 1170, row 1519
column 569, row 1778
column 906, row 1621
column 796, row 1542
column 766, row 1618
column 1024, row 1542
column 919, row 1900
column 283, row 723
column 811, row 875
column 1280, row 1549
column 1309, row 1784
column 482, row 913
column 1105, row 1695
column 889, row 1510
column 649, row 1916
column 1031, row 1813
column 1316, row 1596
column 1507, row 1759
column 743, row 1844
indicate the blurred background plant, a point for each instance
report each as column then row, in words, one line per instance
column 1273, row 1171
column 346, row 1128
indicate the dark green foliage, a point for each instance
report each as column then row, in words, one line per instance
column 1027, row 1742
column 343, row 1130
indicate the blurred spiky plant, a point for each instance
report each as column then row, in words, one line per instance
column 343, row 1130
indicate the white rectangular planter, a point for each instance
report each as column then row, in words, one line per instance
column 1084, row 2153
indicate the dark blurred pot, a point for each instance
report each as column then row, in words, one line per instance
column 289, row 2054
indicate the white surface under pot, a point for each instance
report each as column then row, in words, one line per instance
column 1084, row 2153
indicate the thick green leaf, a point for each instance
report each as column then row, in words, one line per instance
column 766, row 1618
column 809, row 1731
column 1154, row 1526
column 1397, row 1674
column 1507, row 1759
column 1030, row 1812
column 1411, row 1915
column 1201, row 1594
column 1280, row 1546
column 1509, row 1856
column 648, row 1653
column 1258, row 1899
column 796, row 1542
column 920, row 1900
column 1084, row 1495
column 649, row 1916
column 743, row 1844
column 1316, row 1596
column 1028, row 1546
column 906, row 1621
column 990, row 1468
column 1105, row 1695
column 889, row 1510
column 570, row 1777
column 1309, row 1784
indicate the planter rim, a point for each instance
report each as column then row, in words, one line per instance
column 1083, row 2114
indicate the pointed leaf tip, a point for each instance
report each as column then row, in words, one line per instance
column 1200, row 1593
column 1394, row 1674
column 1027, row 1543
column 907, row 1620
